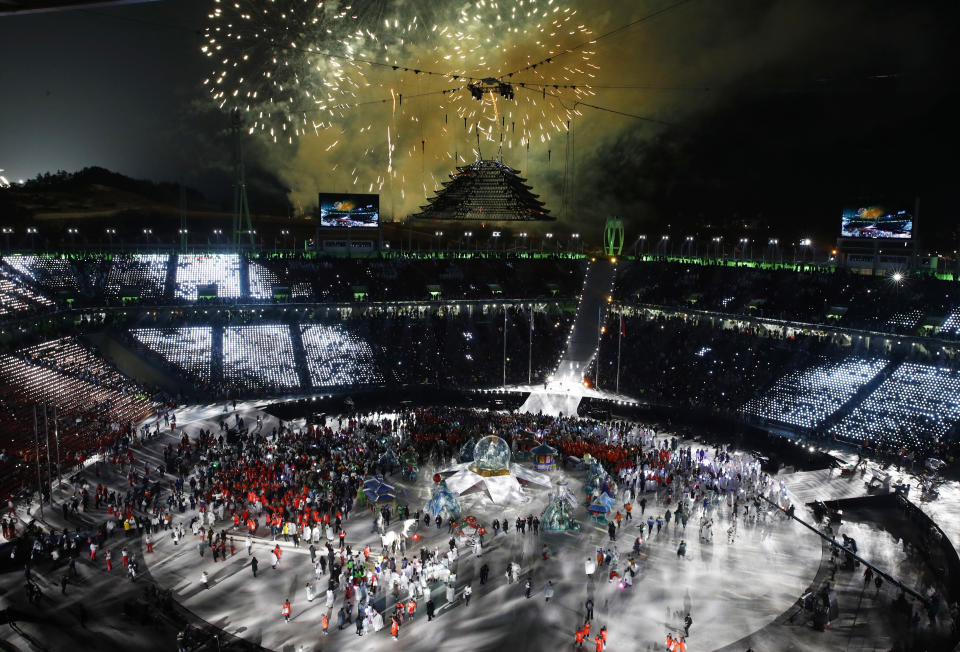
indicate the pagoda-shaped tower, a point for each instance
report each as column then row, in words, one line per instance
column 486, row 190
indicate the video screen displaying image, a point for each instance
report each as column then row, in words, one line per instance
column 876, row 222
column 349, row 211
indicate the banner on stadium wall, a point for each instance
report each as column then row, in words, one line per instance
column 340, row 246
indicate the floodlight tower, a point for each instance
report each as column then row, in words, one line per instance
column 241, row 207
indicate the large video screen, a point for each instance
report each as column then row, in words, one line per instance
column 877, row 222
column 349, row 210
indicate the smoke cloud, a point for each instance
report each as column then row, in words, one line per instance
column 656, row 79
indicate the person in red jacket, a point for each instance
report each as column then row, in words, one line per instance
column 395, row 628
column 109, row 558
column 579, row 639
column 599, row 642
column 286, row 611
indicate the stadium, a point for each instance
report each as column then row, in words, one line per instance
column 475, row 398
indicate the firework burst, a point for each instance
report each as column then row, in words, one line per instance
column 392, row 80
column 282, row 62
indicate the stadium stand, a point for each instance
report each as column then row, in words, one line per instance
column 186, row 349
column 196, row 270
column 807, row 396
column 140, row 275
column 917, row 404
column 338, row 358
column 259, row 357
column 18, row 298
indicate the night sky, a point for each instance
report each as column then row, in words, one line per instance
column 769, row 116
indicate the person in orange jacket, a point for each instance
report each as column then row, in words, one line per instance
column 286, row 610
column 325, row 622
column 411, row 608
column 579, row 638
column 599, row 641
column 395, row 629
column 669, row 642
column 603, row 634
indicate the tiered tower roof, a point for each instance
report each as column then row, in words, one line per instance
column 486, row 190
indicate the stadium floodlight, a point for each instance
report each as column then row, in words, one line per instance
column 806, row 242
column 438, row 233
column 31, row 230
column 147, row 231
column 523, row 235
column 468, row 234
column 548, row 235
column 689, row 238
column 772, row 241
column 666, row 237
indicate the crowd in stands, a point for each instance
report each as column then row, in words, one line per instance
column 93, row 280
column 690, row 362
column 914, row 304
column 806, row 397
column 375, row 347
column 805, row 382
column 915, row 404
column 17, row 298
column 839, row 297
column 91, row 398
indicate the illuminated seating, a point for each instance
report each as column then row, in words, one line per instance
column 187, row 349
column 67, row 355
column 81, row 384
column 262, row 280
column 259, row 357
column 222, row 270
column 48, row 272
column 337, row 357
column 143, row 274
column 916, row 404
column 905, row 320
column 17, row 297
column 951, row 324
column 807, row 396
